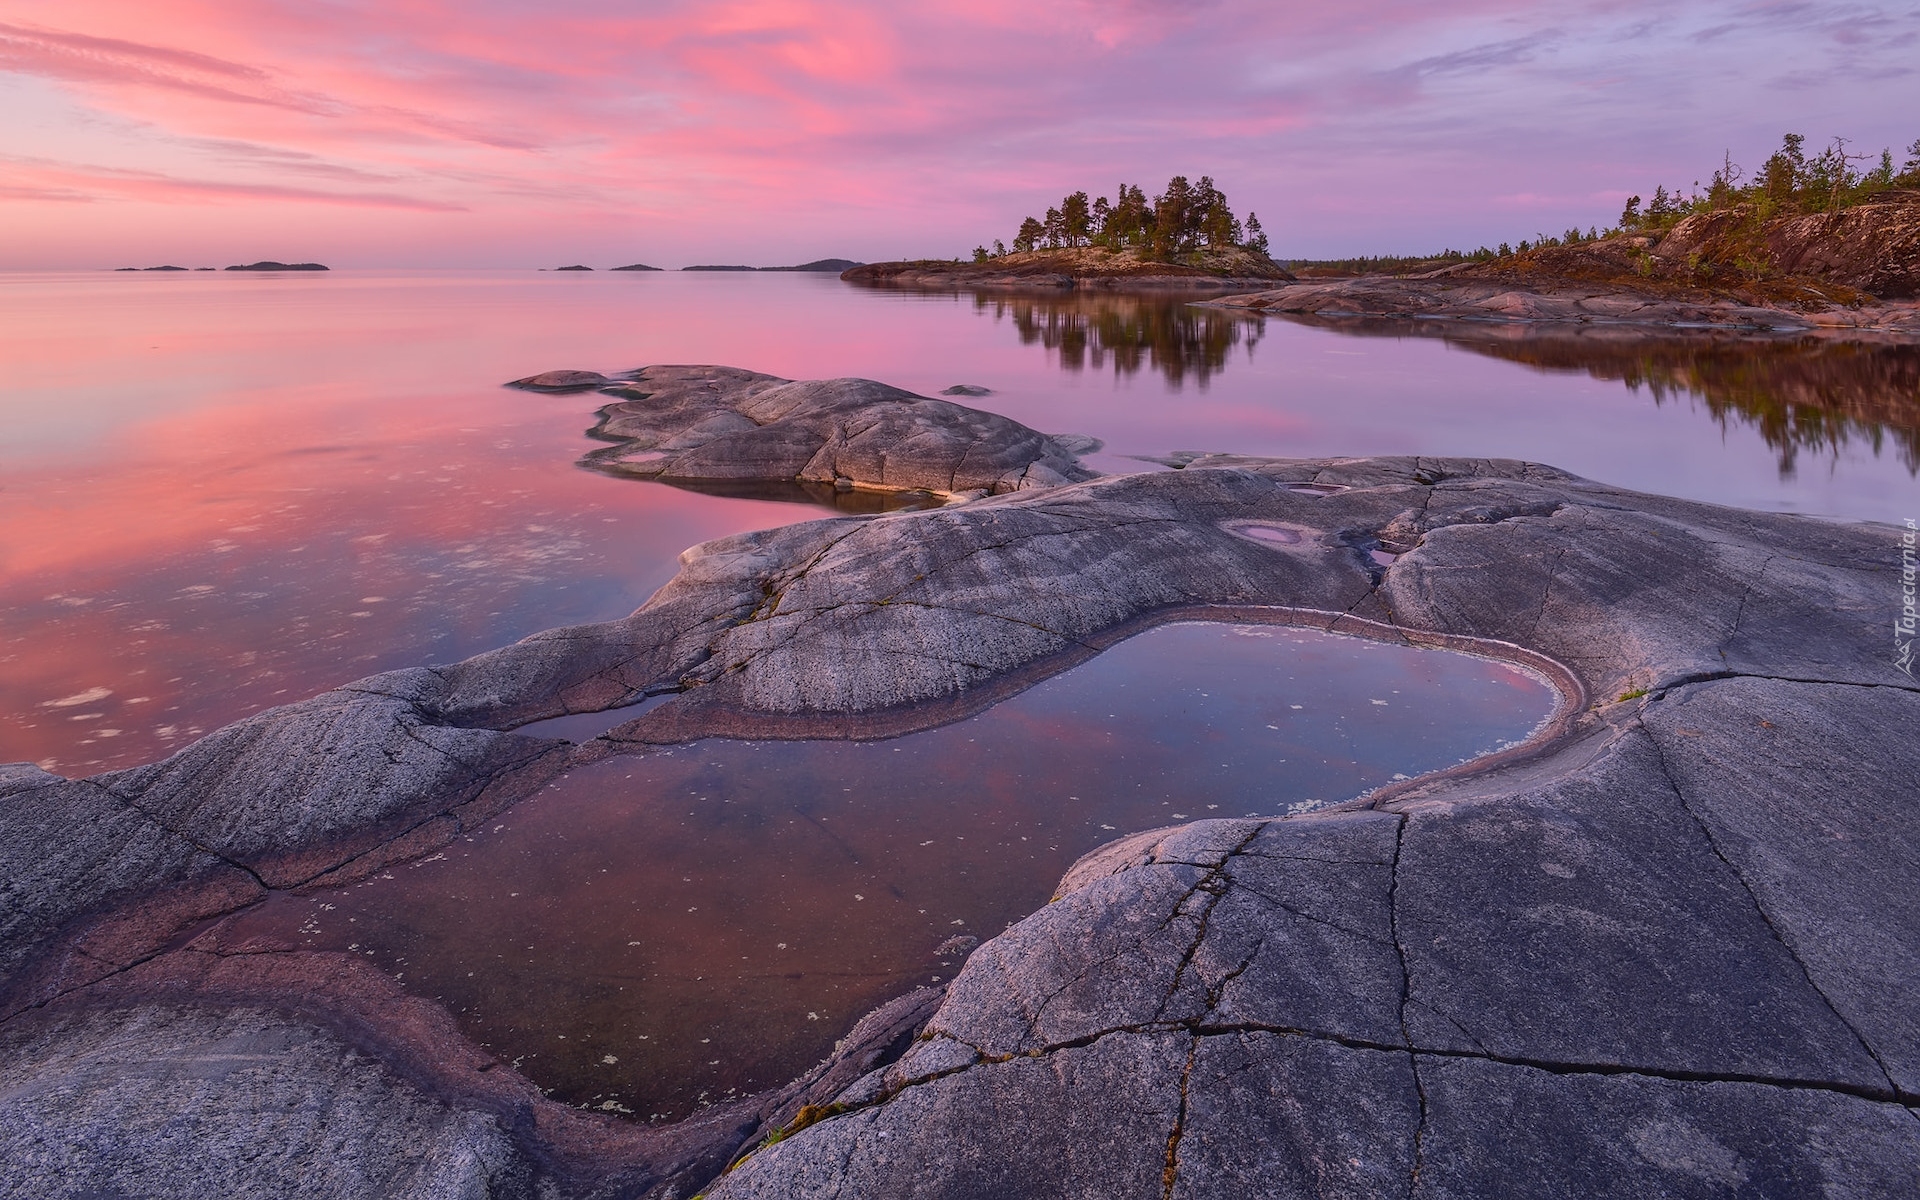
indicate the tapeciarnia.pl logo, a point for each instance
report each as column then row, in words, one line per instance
column 1904, row 623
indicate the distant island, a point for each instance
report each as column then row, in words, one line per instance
column 824, row 265
column 821, row 265
column 1187, row 236
column 279, row 266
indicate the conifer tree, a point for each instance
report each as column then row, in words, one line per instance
column 1173, row 218
column 1076, row 219
column 1256, row 236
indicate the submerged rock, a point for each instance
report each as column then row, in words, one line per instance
column 1669, row 951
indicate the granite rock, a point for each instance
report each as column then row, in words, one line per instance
column 1443, row 296
column 717, row 426
column 1665, row 949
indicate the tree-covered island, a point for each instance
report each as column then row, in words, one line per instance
column 1186, row 236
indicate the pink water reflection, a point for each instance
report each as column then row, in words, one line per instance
column 219, row 492
column 659, row 931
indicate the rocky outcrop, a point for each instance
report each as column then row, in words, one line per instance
column 1852, row 273
column 1670, row 951
column 717, row 427
column 1872, row 247
column 267, row 265
column 1082, row 267
column 1446, row 295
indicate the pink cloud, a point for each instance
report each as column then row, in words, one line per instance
column 762, row 129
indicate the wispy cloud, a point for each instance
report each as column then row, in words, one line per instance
column 67, row 181
column 728, row 126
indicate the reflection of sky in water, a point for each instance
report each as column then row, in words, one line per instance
column 661, row 927
column 225, row 492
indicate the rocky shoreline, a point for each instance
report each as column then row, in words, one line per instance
column 1443, row 296
column 1670, row 949
column 1086, row 268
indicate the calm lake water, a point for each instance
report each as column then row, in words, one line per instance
column 223, row 492
column 662, row 930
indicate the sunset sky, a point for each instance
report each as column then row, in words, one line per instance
column 508, row 133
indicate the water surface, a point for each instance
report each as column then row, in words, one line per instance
column 220, row 492
column 662, row 930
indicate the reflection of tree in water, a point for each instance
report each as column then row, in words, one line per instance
column 1799, row 393
column 1803, row 394
column 1133, row 331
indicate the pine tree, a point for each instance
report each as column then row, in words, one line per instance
column 1076, row 220
column 1173, row 218
column 1782, row 173
column 1256, row 236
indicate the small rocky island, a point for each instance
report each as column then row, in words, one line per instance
column 1185, row 237
column 1666, row 947
column 267, row 265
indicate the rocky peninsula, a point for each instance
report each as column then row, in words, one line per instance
column 1668, row 948
column 1852, row 273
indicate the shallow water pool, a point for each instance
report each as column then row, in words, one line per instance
column 662, row 930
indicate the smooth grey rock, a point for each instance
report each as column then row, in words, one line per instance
column 1590, row 922
column 189, row 1103
column 70, row 851
column 716, row 425
column 1094, row 1123
column 1527, row 1133
column 1677, row 940
column 1828, row 851
column 1280, row 925
column 297, row 791
column 1282, row 1115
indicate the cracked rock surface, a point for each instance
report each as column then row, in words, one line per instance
column 1671, row 950
column 719, row 426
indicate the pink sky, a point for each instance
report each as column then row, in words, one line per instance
column 509, row 133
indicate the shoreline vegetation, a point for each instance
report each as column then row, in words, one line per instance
column 1805, row 234
column 1802, row 230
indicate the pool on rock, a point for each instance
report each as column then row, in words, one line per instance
column 661, row 930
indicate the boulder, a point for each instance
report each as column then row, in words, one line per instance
column 717, row 427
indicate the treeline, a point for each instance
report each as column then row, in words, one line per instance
column 1789, row 183
column 1185, row 218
